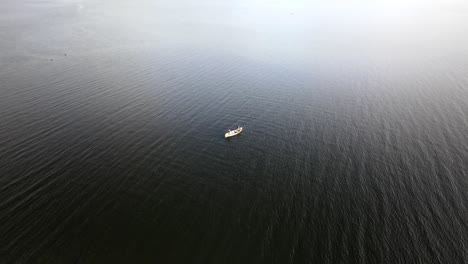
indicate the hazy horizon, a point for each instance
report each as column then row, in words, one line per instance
column 353, row 150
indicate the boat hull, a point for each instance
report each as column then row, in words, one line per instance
column 233, row 133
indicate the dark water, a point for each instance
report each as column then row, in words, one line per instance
column 112, row 115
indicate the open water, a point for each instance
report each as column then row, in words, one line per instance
column 354, row 150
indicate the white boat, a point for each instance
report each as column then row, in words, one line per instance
column 232, row 133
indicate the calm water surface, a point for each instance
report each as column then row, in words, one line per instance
column 354, row 150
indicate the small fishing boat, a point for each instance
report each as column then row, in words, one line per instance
column 232, row 133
